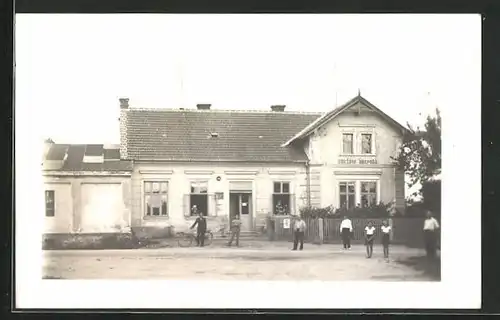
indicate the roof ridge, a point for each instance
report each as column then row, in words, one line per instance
column 105, row 146
column 226, row 111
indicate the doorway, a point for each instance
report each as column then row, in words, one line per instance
column 240, row 203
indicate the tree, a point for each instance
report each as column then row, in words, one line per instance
column 420, row 153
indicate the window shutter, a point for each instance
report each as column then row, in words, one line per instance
column 186, row 207
column 400, row 189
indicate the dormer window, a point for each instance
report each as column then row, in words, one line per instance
column 214, row 135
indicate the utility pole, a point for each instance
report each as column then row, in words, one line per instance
column 336, row 86
column 180, row 71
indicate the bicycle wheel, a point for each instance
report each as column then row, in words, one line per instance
column 184, row 239
column 209, row 236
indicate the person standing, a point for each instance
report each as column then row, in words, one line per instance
column 235, row 231
column 201, row 222
column 299, row 228
column 386, row 232
column 369, row 236
column 345, row 231
column 431, row 227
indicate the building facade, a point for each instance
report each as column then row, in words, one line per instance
column 250, row 163
column 87, row 191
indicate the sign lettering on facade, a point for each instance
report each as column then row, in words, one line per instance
column 219, row 195
column 357, row 161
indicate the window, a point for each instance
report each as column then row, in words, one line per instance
column 156, row 198
column 199, row 197
column 281, row 198
column 366, row 143
column 347, row 194
column 368, row 194
column 50, row 203
column 347, row 143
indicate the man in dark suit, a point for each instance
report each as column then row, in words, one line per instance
column 201, row 222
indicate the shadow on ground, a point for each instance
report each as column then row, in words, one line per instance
column 261, row 258
column 430, row 267
column 51, row 277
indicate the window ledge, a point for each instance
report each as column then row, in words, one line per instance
column 155, row 217
column 206, row 217
column 358, row 155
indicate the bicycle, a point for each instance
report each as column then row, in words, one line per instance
column 186, row 239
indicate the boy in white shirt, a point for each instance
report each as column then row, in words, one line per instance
column 369, row 236
column 345, row 231
column 386, row 231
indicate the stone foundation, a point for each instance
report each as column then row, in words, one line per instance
column 147, row 233
column 89, row 241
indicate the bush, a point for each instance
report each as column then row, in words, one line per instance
column 431, row 196
column 315, row 212
column 380, row 210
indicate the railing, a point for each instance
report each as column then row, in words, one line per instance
column 406, row 231
column 331, row 229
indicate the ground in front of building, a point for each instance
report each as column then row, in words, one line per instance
column 249, row 262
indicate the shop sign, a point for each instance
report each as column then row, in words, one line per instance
column 360, row 160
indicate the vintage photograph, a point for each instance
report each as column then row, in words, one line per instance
column 239, row 147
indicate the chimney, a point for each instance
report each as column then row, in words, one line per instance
column 203, row 106
column 123, row 103
column 47, row 144
column 123, row 128
column 278, row 108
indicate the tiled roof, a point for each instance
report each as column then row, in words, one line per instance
column 74, row 158
column 94, row 150
column 186, row 135
column 112, row 154
column 57, row 152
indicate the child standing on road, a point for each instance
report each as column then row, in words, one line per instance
column 235, row 231
column 386, row 231
column 369, row 236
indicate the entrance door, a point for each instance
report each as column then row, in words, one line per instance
column 241, row 204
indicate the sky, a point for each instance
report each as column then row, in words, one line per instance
column 71, row 69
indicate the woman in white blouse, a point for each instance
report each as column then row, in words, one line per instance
column 386, row 231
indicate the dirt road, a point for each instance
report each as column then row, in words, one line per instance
column 267, row 262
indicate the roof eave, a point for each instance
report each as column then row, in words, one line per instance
column 218, row 161
column 72, row 173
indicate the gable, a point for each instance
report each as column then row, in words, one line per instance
column 357, row 105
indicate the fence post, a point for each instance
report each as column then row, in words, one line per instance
column 391, row 233
column 320, row 227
